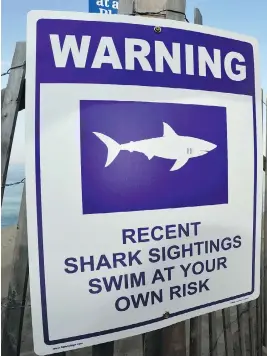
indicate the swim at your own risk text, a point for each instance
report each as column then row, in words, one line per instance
column 207, row 256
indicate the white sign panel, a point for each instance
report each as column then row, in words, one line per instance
column 144, row 175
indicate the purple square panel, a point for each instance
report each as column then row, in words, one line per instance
column 146, row 156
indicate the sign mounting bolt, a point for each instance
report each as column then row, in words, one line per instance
column 166, row 315
column 157, row 29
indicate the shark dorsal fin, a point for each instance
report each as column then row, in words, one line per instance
column 168, row 131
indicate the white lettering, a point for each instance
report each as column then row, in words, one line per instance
column 115, row 5
column 174, row 60
column 204, row 61
column 241, row 69
column 107, row 3
column 70, row 45
column 100, row 3
column 105, row 11
column 106, row 43
column 189, row 59
column 131, row 54
column 210, row 61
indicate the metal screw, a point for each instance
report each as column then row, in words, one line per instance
column 157, row 29
column 166, row 315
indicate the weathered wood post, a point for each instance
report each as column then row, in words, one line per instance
column 10, row 97
column 169, row 341
column 196, row 323
column 259, row 301
column 265, row 236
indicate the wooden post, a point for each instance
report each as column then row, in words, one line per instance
column 174, row 337
column 14, row 308
column 241, row 313
column 2, row 96
column 152, row 343
column 130, row 346
column 171, row 339
column 126, row 7
column 213, row 340
column 198, row 19
column 259, row 301
column 13, row 311
column 258, row 328
column 265, row 237
column 105, row 349
column 251, row 328
column 228, row 336
column 196, row 323
column 195, row 336
column 10, row 99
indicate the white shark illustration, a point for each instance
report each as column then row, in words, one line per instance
column 169, row 146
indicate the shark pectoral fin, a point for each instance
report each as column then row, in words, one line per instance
column 179, row 164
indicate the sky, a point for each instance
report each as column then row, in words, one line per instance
column 240, row 16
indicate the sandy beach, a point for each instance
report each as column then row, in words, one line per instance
column 7, row 247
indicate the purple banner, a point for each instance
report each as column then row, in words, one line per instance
column 130, row 54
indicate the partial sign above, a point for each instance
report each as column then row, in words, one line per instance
column 104, row 6
column 144, row 175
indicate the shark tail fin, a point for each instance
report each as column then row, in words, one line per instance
column 112, row 146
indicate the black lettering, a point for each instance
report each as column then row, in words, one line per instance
column 214, row 246
column 221, row 262
column 142, row 231
column 175, row 291
column 226, row 244
column 192, row 288
column 137, row 281
column 118, row 304
column 210, row 265
column 140, row 299
column 183, row 231
column 134, row 258
column 160, row 237
column 119, row 258
column 169, row 269
column 73, row 266
column 95, row 283
column 185, row 269
column 103, row 262
column 195, row 224
column 203, row 285
column 90, row 263
column 170, row 229
column 126, row 281
column 158, row 276
column 173, row 252
column 113, row 281
column 128, row 234
column 198, row 244
column 155, row 296
column 237, row 241
column 187, row 249
column 195, row 265
column 154, row 254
